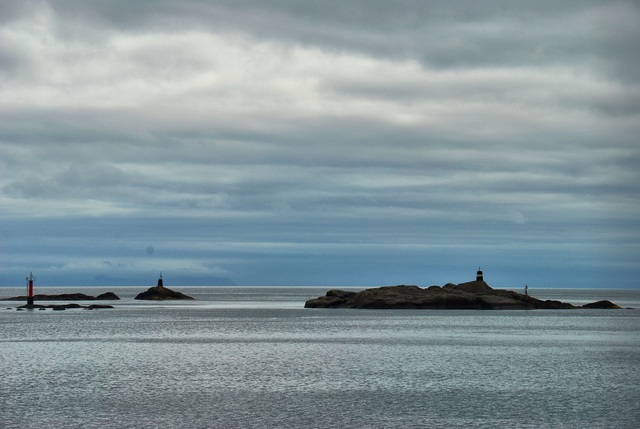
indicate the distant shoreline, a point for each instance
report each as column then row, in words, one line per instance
column 304, row 286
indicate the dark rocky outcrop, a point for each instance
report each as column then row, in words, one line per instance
column 97, row 307
column 601, row 304
column 475, row 295
column 161, row 293
column 61, row 307
column 107, row 296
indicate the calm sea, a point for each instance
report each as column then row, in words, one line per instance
column 249, row 357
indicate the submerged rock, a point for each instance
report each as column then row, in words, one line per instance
column 475, row 295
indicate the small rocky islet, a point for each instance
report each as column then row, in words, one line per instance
column 107, row 296
column 161, row 293
column 473, row 295
column 58, row 307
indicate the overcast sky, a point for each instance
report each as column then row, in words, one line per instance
column 322, row 142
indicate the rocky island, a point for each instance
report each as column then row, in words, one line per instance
column 474, row 295
column 159, row 293
column 59, row 307
column 107, row 296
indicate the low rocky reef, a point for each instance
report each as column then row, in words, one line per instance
column 160, row 293
column 107, row 296
column 60, row 307
column 474, row 295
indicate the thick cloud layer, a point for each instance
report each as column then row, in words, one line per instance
column 294, row 143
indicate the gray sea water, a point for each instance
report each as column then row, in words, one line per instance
column 255, row 358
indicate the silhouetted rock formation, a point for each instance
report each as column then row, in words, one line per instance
column 475, row 295
column 107, row 296
column 60, row 307
column 161, row 293
column 601, row 304
column 97, row 307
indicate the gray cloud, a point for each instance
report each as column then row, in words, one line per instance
column 318, row 142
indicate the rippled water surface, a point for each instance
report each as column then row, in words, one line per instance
column 255, row 358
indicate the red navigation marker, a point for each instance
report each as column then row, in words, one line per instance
column 30, row 289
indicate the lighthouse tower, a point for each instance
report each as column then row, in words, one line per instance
column 479, row 276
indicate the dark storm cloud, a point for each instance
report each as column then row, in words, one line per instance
column 319, row 142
